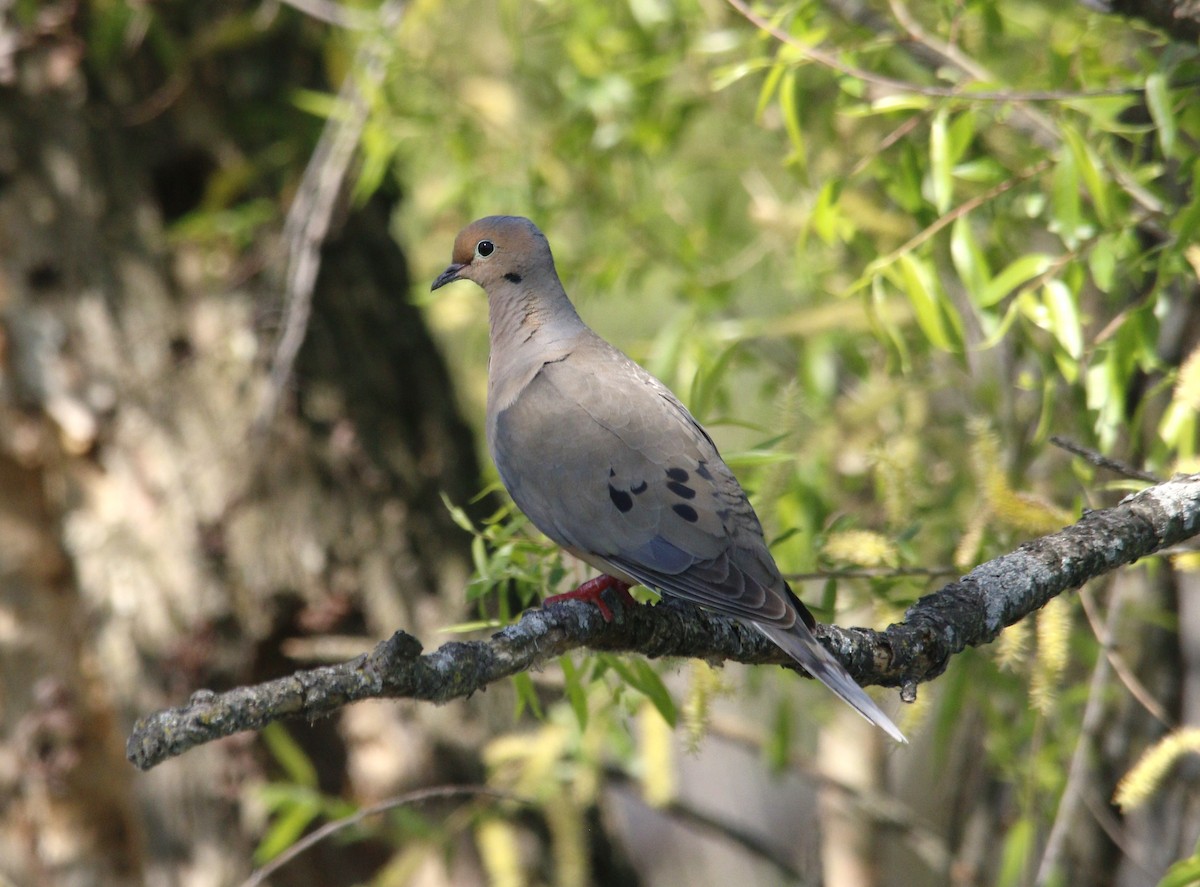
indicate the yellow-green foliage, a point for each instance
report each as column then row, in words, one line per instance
column 1187, row 386
column 656, row 744
column 499, row 847
column 860, row 547
column 1145, row 777
column 966, row 553
column 1020, row 510
column 705, row 685
column 1053, row 644
column 1012, row 647
column 897, row 477
column 568, row 840
column 1186, row 563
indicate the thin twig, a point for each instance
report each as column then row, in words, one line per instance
column 311, row 213
column 1093, row 713
column 829, row 60
column 953, row 55
column 950, row 216
column 1103, row 816
column 886, row 142
column 1108, row 644
column 413, row 797
column 1100, row 460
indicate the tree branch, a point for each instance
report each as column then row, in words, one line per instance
column 968, row 612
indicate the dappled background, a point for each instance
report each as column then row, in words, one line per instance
column 884, row 254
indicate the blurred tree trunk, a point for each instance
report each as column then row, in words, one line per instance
column 148, row 547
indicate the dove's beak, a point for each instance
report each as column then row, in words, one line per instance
column 451, row 274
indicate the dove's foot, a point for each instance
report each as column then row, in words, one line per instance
column 592, row 591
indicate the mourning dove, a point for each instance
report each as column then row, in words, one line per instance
column 608, row 463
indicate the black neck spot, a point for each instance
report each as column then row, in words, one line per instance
column 513, row 277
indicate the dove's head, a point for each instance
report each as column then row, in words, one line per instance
column 499, row 250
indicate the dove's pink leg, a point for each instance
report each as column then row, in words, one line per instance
column 592, row 591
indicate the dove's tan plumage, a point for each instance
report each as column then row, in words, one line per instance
column 610, row 465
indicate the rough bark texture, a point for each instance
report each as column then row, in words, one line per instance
column 969, row 612
column 146, row 547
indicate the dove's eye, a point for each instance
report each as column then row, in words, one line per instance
column 484, row 248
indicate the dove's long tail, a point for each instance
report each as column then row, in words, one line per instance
column 799, row 643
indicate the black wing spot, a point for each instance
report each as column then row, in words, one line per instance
column 681, row 490
column 612, row 472
column 639, row 489
column 686, row 512
column 620, row 498
column 677, row 474
column 512, row 277
column 703, row 471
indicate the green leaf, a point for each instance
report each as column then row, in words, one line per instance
column 1186, row 224
column 458, row 515
column 778, row 747
column 756, row 457
column 287, row 828
column 826, row 216
column 901, row 101
column 1063, row 315
column 1066, row 217
column 1023, row 269
column 1158, row 99
column 471, row 627
column 526, row 696
column 638, row 674
column 1015, row 855
column 968, row 258
column 789, row 105
column 918, row 283
column 1018, row 306
column 959, row 136
column 707, row 380
column 319, row 104
column 1102, row 263
column 829, row 596
column 726, row 76
column 1090, row 171
column 941, row 163
column 1105, row 396
column 769, row 87
column 1178, row 428
column 575, row 690
column 1049, row 401
column 289, row 755
column 982, row 170
column 1184, row 873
